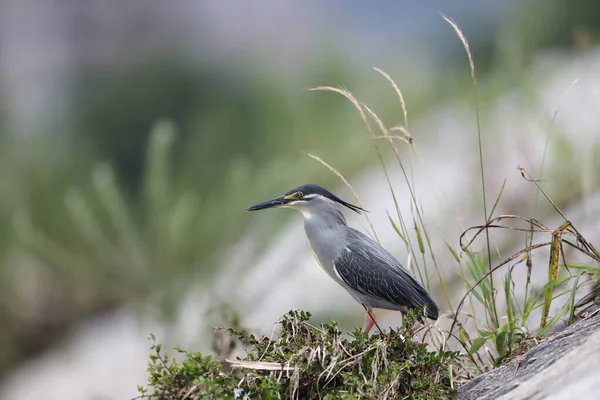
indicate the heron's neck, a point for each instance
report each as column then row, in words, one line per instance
column 325, row 232
column 327, row 217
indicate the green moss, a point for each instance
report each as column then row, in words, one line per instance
column 308, row 362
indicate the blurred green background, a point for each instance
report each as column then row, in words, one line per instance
column 132, row 136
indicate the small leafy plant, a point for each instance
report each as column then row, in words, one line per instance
column 308, row 362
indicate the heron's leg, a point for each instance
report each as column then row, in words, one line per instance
column 368, row 325
column 370, row 321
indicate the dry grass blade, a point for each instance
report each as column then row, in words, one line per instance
column 527, row 176
column 465, row 43
column 394, row 137
column 386, row 134
column 259, row 365
column 189, row 393
column 343, row 363
column 398, row 91
column 407, row 135
column 492, row 224
column 353, row 100
column 562, row 99
column 491, row 306
column 377, row 120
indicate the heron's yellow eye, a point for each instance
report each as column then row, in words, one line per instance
column 295, row 196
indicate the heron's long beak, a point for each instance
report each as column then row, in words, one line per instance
column 279, row 201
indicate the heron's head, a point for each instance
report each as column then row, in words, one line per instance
column 308, row 199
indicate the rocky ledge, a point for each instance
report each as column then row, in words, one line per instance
column 564, row 366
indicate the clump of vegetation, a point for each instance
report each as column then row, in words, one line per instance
column 308, row 362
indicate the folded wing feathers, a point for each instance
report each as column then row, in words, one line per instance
column 365, row 266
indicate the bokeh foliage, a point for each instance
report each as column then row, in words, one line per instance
column 127, row 205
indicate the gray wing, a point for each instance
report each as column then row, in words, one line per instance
column 371, row 270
